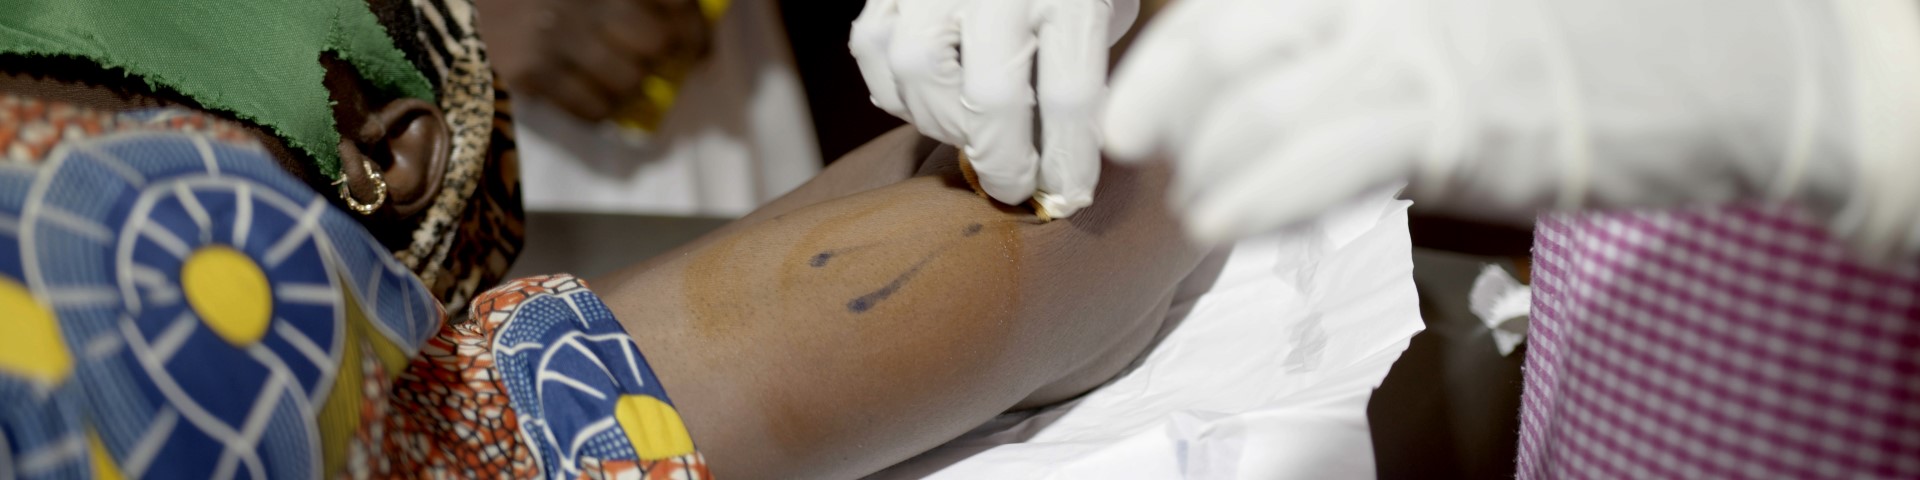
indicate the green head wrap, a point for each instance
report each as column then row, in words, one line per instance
column 256, row 59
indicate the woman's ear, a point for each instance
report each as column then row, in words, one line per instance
column 408, row 142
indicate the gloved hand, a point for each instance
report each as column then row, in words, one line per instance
column 1273, row 110
column 962, row 72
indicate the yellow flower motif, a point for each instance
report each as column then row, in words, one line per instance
column 229, row 292
column 653, row 427
column 32, row 346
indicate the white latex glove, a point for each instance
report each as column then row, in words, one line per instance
column 1273, row 110
column 962, row 72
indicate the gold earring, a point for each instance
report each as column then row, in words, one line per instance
column 379, row 191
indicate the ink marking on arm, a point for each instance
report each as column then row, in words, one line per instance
column 866, row 302
column 820, row 259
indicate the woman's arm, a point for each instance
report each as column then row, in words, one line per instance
column 841, row 337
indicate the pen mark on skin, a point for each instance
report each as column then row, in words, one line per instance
column 866, row 302
column 820, row 259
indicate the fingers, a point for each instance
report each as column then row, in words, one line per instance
column 572, row 93
column 1194, row 51
column 1315, row 169
column 997, row 47
column 963, row 73
column 588, row 80
column 632, row 29
column 596, row 56
column 1266, row 107
column 1072, row 77
column 925, row 59
column 869, row 40
column 907, row 53
column 690, row 29
column 1296, row 138
column 616, row 74
column 1152, row 85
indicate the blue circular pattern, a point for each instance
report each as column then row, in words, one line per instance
column 100, row 232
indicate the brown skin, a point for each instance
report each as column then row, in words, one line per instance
column 877, row 311
column 407, row 140
column 777, row 378
column 786, row 359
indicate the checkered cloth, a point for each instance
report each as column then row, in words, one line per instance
column 1731, row 342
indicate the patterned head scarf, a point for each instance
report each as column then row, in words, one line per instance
column 472, row 232
column 259, row 61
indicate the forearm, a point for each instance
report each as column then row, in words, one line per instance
column 843, row 336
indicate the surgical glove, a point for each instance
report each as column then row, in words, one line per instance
column 961, row 71
column 1273, row 110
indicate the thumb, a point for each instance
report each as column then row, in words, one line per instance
column 1311, row 171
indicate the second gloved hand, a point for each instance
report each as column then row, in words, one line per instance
column 962, row 71
column 1274, row 110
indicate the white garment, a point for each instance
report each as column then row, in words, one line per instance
column 1266, row 375
column 738, row 136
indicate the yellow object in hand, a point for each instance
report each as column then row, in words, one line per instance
column 662, row 84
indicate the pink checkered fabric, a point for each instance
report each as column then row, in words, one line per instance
column 1731, row 342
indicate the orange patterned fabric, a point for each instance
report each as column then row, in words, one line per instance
column 454, row 413
column 31, row 127
column 454, row 419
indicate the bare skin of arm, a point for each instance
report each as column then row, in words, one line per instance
column 835, row 338
column 874, row 313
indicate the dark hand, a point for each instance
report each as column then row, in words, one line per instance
column 589, row 56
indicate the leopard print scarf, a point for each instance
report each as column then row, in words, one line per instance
column 473, row 230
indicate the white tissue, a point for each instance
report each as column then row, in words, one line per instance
column 1267, row 376
column 1503, row 304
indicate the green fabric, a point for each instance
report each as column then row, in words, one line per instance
column 256, row 59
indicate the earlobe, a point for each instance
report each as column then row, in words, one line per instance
column 409, row 142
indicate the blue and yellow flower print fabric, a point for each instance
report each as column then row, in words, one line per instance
column 173, row 305
column 198, row 306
